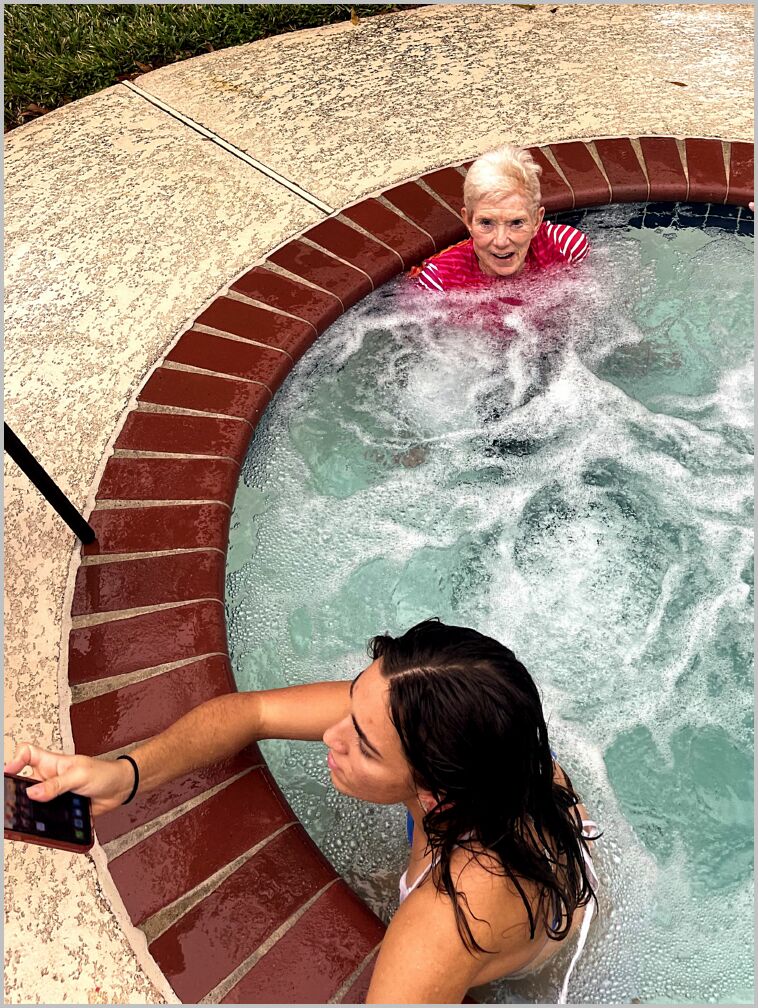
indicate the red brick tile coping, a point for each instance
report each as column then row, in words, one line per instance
column 237, row 903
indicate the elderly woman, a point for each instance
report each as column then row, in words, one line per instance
column 447, row 722
column 505, row 220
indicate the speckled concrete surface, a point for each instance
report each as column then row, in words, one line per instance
column 347, row 110
column 121, row 223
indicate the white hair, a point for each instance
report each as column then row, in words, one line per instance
column 503, row 172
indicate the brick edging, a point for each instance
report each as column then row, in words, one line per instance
column 235, row 899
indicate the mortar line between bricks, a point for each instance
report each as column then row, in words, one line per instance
column 96, row 618
column 726, row 150
column 554, row 162
column 110, row 503
column 162, row 409
column 139, row 453
column 234, row 295
column 637, row 148
column 191, row 369
column 273, row 267
column 231, row 149
column 121, row 844
column 337, row 997
column 344, row 219
column 321, row 248
column 440, row 199
column 594, row 154
column 381, row 198
column 93, row 559
column 165, row 918
column 396, row 210
column 80, row 692
column 222, row 989
column 225, row 334
column 682, row 148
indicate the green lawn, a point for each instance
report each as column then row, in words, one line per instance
column 55, row 53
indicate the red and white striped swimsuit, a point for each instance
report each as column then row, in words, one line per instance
column 458, row 268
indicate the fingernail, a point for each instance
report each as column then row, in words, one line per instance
column 34, row 792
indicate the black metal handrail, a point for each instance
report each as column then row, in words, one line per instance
column 50, row 490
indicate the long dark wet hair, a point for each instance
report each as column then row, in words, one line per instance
column 471, row 725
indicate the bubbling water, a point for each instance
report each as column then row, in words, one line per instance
column 574, row 477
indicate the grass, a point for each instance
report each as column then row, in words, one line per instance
column 55, row 53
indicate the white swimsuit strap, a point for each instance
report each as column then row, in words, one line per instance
column 593, row 826
column 409, row 889
column 588, row 910
column 583, row 932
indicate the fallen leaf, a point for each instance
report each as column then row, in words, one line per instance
column 526, row 6
column 677, row 82
column 144, row 67
column 354, row 17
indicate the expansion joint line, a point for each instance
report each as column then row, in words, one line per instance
column 231, row 149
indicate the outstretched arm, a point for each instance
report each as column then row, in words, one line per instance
column 210, row 732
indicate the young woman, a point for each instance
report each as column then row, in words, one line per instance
column 508, row 234
column 449, row 723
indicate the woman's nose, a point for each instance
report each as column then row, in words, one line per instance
column 333, row 738
column 502, row 236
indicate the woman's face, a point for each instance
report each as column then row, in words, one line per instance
column 365, row 758
column 502, row 230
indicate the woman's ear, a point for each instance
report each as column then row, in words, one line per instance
column 465, row 218
column 426, row 799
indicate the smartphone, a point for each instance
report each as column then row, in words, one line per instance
column 64, row 822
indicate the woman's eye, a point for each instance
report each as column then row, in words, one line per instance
column 518, row 223
column 485, row 223
column 363, row 749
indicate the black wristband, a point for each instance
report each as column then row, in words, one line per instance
column 133, row 791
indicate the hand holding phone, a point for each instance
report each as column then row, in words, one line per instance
column 107, row 782
column 64, row 822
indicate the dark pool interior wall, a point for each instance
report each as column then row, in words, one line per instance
column 236, row 903
column 728, row 218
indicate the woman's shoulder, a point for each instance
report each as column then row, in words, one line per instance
column 558, row 242
column 444, row 269
column 490, row 898
column 453, row 253
column 479, row 870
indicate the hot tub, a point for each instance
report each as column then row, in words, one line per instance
column 206, row 885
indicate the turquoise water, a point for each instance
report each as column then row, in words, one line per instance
column 576, row 480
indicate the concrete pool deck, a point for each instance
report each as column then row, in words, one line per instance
column 123, row 222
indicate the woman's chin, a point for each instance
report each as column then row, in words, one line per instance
column 342, row 787
column 507, row 267
column 336, row 780
column 502, row 267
